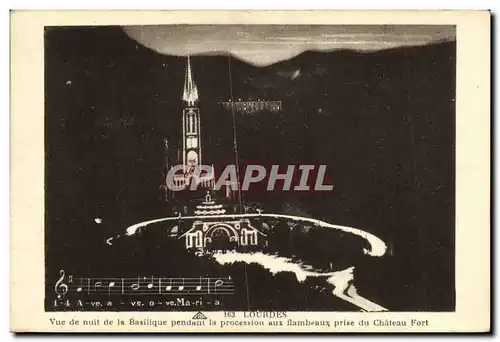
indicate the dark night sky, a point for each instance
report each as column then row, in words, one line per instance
column 263, row 45
column 383, row 122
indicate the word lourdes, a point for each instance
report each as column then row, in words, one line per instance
column 253, row 174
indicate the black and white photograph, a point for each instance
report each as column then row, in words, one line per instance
column 260, row 168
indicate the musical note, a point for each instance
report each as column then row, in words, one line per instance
column 96, row 285
column 169, row 287
column 218, row 283
column 181, row 287
column 136, row 286
column 198, row 288
column 80, row 288
column 151, row 284
column 61, row 288
column 110, row 285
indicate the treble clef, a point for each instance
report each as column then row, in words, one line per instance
column 61, row 288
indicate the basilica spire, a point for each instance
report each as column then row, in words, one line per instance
column 190, row 94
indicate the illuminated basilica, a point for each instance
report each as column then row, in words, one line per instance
column 213, row 228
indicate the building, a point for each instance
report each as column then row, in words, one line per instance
column 248, row 107
column 213, row 233
column 208, row 231
column 191, row 137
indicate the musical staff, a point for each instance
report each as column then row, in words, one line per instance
column 144, row 286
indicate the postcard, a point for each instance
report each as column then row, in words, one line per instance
column 250, row 171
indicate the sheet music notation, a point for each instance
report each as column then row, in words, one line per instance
column 143, row 286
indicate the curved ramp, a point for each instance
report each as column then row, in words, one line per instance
column 377, row 247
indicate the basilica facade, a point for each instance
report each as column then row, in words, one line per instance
column 211, row 232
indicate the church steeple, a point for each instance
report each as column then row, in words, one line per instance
column 190, row 94
column 191, row 140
